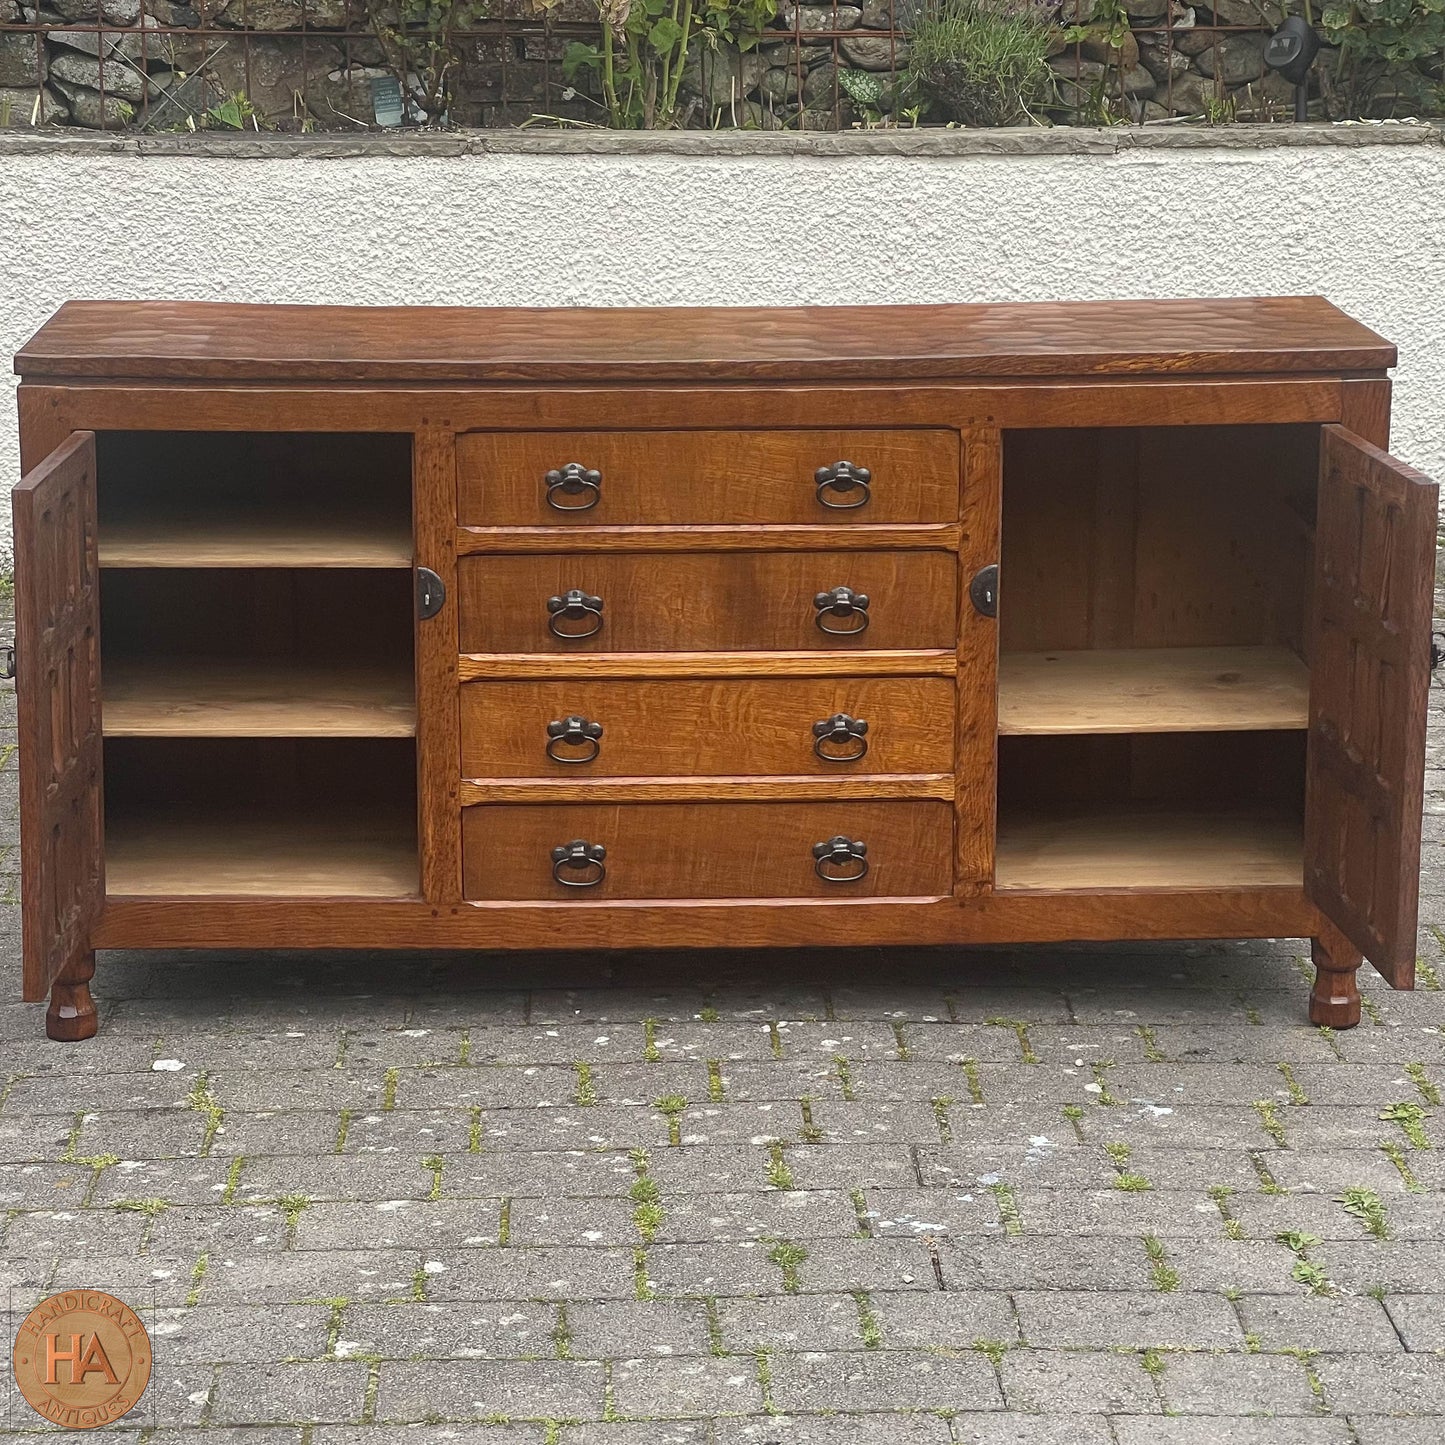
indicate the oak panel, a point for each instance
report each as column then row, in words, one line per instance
column 706, row 601
column 706, row 850
column 696, row 727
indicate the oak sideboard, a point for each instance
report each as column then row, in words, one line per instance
column 585, row 629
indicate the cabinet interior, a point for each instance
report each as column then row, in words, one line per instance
column 257, row 645
column 1153, row 677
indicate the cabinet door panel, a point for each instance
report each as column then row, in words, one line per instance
column 706, row 601
column 1370, row 677
column 676, row 478
column 57, row 645
column 705, row 850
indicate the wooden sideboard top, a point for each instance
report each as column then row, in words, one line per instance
column 219, row 341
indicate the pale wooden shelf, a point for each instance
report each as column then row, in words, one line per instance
column 276, row 855
column 1147, row 849
column 1152, row 690
column 255, row 538
column 199, row 697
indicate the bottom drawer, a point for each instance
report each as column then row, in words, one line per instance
column 707, row 850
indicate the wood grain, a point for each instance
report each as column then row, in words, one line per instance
column 779, row 789
column 707, row 850
column 1364, row 788
column 207, row 340
column 214, row 538
column 889, row 662
column 57, row 649
column 1155, row 689
column 180, row 697
column 681, row 478
column 709, row 539
column 338, row 851
column 704, row 601
column 1062, row 850
column 705, row 728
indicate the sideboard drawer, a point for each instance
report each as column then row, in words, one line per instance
column 707, row 850
column 669, row 478
column 830, row 726
column 706, row 601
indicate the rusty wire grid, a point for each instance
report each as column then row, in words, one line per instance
column 147, row 65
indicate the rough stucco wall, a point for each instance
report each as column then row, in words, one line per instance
column 1364, row 226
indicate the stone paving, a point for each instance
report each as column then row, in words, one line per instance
column 912, row 1197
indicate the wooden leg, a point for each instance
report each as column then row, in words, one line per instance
column 71, row 1014
column 1335, row 998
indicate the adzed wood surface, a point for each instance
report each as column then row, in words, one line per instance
column 671, row 478
column 197, row 340
column 1154, row 689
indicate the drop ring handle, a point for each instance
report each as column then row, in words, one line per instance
column 573, row 480
column 574, row 606
column 840, row 731
column 573, row 732
column 841, row 480
column 841, row 604
column 582, row 858
column 847, row 860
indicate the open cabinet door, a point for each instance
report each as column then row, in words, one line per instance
column 1369, row 680
column 57, row 627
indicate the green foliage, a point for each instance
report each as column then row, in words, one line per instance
column 419, row 41
column 233, row 113
column 643, row 51
column 1366, row 1206
column 1389, row 59
column 983, row 62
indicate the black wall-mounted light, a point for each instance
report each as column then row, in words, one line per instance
column 1291, row 50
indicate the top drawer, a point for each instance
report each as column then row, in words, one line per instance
column 666, row 478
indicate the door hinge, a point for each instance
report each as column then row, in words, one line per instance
column 1437, row 652
column 7, row 662
column 983, row 590
column 431, row 592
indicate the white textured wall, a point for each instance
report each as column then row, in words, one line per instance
column 1363, row 225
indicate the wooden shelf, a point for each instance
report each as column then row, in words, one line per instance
column 338, row 855
column 1147, row 849
column 199, row 697
column 253, row 538
column 1155, row 689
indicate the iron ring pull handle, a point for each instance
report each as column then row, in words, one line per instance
column 841, row 854
column 841, row 603
column 573, row 732
column 575, row 606
column 842, row 479
column 573, row 480
column 840, row 731
column 580, row 857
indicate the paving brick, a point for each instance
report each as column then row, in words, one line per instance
column 523, row 1389
column 757, row 1123
column 1177, row 1213
column 753, row 1079
column 1016, row 1429
column 1043, row 1263
column 943, row 1321
column 850, row 1166
column 843, row 1121
column 1071, row 1318
column 1392, row 1265
column 632, row 1432
column 77, row 1232
column 836, row 1430
column 400, row 1224
column 882, row 1380
column 311, row 1132
column 790, row 1213
column 428, row 1435
column 1320, row 1322
column 741, row 1268
column 700, row 1386
column 1384, row 1384
column 1382, row 1430
column 1074, row 1382
column 193, row 1229
column 636, row 1329
column 1219, row 1430
column 541, row 1175
column 545, row 1274
column 792, row 1322
column 912, row 1213
column 330, row 1176
column 1419, row 1319
column 466, row 1330
column 214, row 1334
column 177, row 1181
column 258, row 1394
column 1053, row 1159
column 1238, row 1384
column 294, row 1277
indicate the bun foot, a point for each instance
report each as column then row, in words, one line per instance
column 1335, row 997
column 71, row 1015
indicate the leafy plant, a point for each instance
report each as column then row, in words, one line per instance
column 1390, row 54
column 983, row 62
column 420, row 42
column 644, row 49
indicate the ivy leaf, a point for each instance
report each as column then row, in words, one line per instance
column 664, row 35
